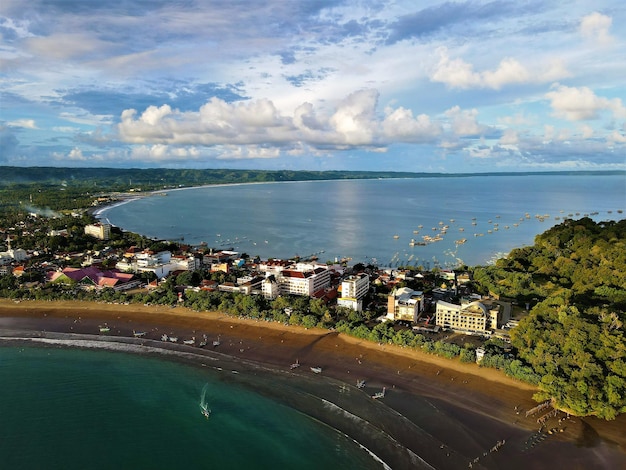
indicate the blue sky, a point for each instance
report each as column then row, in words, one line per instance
column 321, row 85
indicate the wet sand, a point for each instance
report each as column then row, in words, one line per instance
column 456, row 414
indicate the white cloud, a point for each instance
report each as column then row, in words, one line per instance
column 595, row 27
column 578, row 104
column 65, row 46
column 26, row 123
column 456, row 73
column 509, row 137
column 464, row 123
column 352, row 123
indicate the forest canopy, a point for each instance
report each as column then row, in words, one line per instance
column 574, row 277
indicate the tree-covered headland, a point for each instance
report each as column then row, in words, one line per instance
column 574, row 278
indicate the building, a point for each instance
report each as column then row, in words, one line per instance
column 148, row 261
column 470, row 317
column 353, row 289
column 405, row 304
column 101, row 231
column 301, row 279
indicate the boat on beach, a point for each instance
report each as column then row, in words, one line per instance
column 380, row 394
column 316, row 370
column 104, row 329
column 139, row 334
column 295, row 365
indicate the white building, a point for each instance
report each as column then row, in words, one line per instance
column 147, row 261
column 405, row 304
column 7, row 257
column 101, row 231
column 302, row 279
column 469, row 317
column 353, row 289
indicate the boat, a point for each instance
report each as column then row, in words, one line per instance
column 317, row 370
column 295, row 365
column 396, row 236
column 360, row 383
column 216, row 342
column 173, row 339
column 139, row 334
column 204, row 407
column 412, row 242
column 190, row 342
column 378, row 395
column 104, row 329
column 460, row 241
column 164, row 337
column 203, row 342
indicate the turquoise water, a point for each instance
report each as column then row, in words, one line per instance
column 74, row 409
column 360, row 219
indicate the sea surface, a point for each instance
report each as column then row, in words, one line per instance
column 374, row 221
column 69, row 409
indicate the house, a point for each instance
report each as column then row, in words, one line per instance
column 93, row 278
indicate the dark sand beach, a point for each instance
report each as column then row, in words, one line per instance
column 450, row 414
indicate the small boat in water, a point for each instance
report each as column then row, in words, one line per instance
column 204, row 407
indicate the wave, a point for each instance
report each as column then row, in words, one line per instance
column 302, row 395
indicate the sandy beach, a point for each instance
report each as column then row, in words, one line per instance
column 463, row 416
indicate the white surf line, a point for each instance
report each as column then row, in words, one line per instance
column 358, row 419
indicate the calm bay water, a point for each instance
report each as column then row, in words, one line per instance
column 75, row 409
column 369, row 220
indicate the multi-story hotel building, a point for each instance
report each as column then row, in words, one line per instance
column 296, row 281
column 469, row 317
column 405, row 304
column 101, row 231
column 353, row 289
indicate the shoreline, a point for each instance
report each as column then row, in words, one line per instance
column 464, row 407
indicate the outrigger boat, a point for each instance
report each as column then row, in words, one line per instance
column 360, row 383
column 104, row 329
column 190, row 342
column 316, row 370
column 378, row 395
column 295, row 365
column 139, row 334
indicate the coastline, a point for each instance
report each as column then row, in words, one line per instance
column 462, row 407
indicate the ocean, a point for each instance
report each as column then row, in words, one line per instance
column 65, row 408
column 474, row 219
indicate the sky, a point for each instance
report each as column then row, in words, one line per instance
column 381, row 85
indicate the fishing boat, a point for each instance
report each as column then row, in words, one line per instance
column 190, row 342
column 216, row 342
column 295, row 365
column 139, row 334
column 164, row 337
column 173, row 339
column 104, row 329
column 360, row 383
column 204, row 407
column 317, row 370
column 378, row 395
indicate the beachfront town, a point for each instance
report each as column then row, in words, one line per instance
column 433, row 302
